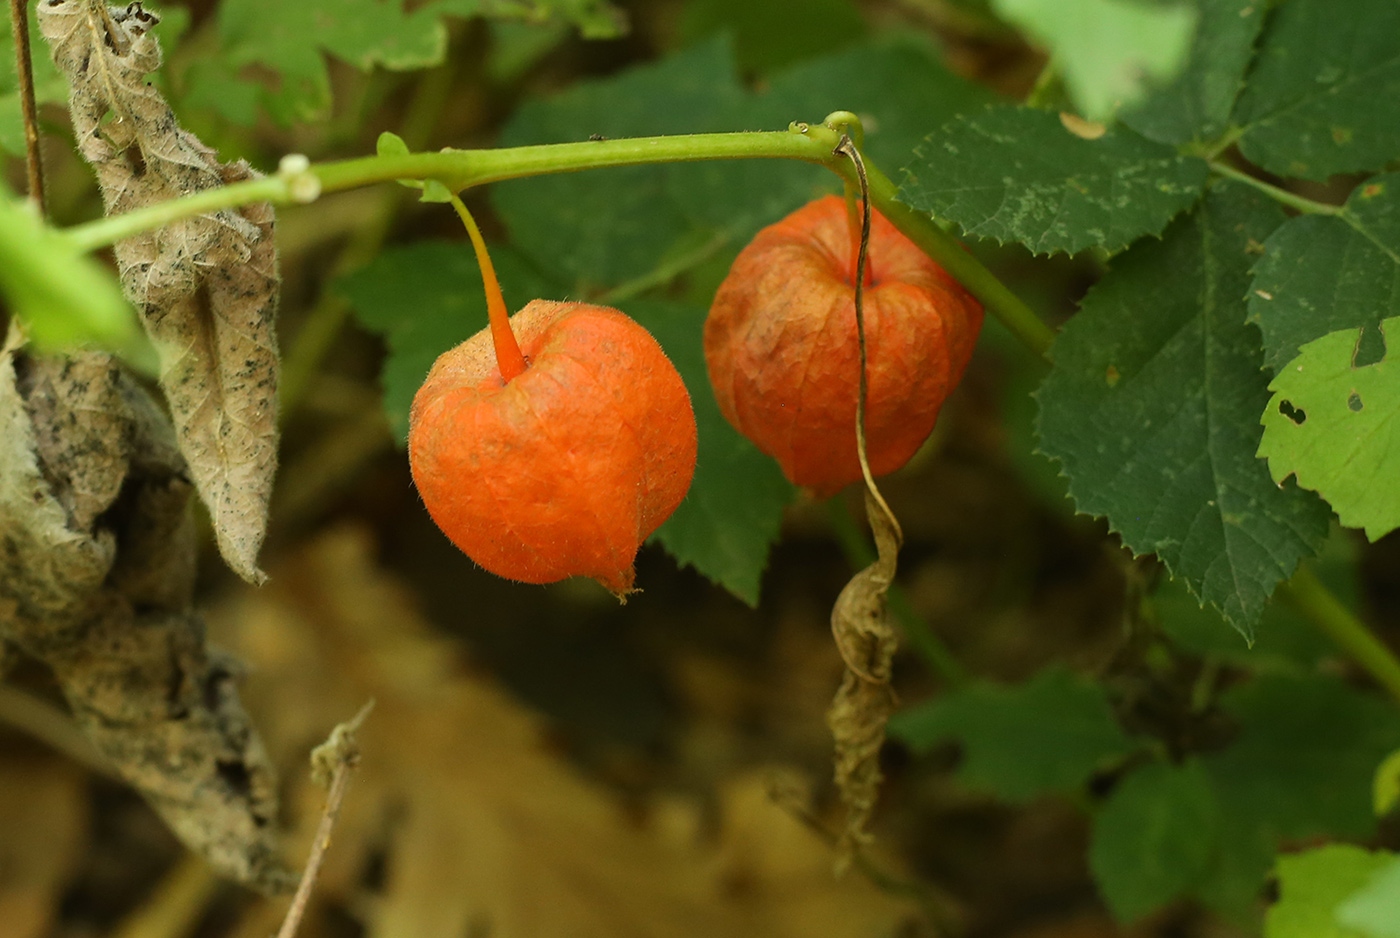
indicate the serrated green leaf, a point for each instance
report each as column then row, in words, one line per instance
column 1284, row 638
column 1319, row 99
column 606, row 226
column 1047, row 735
column 1106, row 50
column 1321, row 273
column 775, row 33
column 1311, row 886
column 1151, row 406
column 1374, row 909
column 1017, row 174
column 1154, row 838
column 733, row 513
column 64, row 298
column 1196, row 104
column 1335, row 427
column 291, row 40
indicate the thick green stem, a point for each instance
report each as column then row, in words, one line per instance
column 1309, row 596
column 461, row 169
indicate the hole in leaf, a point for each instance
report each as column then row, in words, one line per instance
column 1370, row 348
column 1354, row 402
column 1295, row 414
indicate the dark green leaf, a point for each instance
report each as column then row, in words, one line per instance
column 1320, row 98
column 291, row 39
column 1334, row 425
column 1152, row 407
column 606, row 226
column 425, row 299
column 1017, row 174
column 1106, row 51
column 1322, row 273
column 1311, row 886
column 734, row 511
column 1153, row 839
column 1019, row 742
column 897, row 85
column 775, row 33
column 1304, row 759
column 1196, row 105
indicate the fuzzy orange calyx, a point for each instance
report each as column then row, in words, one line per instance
column 783, row 354
column 568, row 467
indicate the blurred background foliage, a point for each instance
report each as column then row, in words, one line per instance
column 1083, row 750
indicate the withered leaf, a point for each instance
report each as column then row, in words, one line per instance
column 867, row 642
column 206, row 287
column 96, row 580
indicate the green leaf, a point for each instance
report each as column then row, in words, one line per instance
column 1047, row 735
column 606, row 226
column 1303, row 762
column 1106, row 50
column 775, row 33
column 1017, row 174
column 1154, row 838
column 424, row 299
column 1300, row 767
column 1196, row 105
column 1284, row 639
column 733, row 513
column 1335, row 427
column 291, row 40
column 1321, row 273
column 1385, row 786
column 1313, row 883
column 1151, row 406
column 897, row 84
column 1374, row 910
column 1320, row 98
column 64, row 298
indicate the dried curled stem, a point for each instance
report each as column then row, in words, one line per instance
column 860, row 619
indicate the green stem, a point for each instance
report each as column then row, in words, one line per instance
column 1283, row 196
column 1309, row 596
column 860, row 554
column 461, row 169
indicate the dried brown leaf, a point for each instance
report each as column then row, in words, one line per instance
column 867, row 641
column 96, row 579
column 485, row 829
column 206, row 287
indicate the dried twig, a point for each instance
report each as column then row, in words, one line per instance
column 860, row 618
column 331, row 763
column 24, row 71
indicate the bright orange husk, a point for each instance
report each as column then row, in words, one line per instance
column 565, row 470
column 783, row 356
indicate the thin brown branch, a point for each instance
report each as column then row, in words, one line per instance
column 24, row 71
column 336, row 758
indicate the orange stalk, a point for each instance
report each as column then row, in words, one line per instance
column 508, row 357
